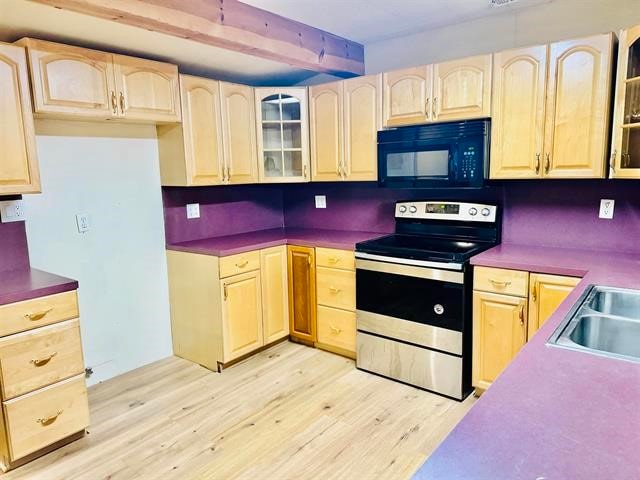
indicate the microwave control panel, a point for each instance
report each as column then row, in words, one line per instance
column 468, row 161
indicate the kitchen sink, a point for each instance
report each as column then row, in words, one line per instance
column 604, row 321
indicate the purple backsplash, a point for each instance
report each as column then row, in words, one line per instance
column 14, row 253
column 223, row 211
column 548, row 213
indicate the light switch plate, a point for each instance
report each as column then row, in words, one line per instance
column 12, row 211
column 606, row 208
column 82, row 222
column 193, row 210
column 321, row 201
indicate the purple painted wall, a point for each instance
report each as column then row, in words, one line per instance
column 14, row 253
column 223, row 211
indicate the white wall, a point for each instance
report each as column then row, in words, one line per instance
column 556, row 20
column 110, row 172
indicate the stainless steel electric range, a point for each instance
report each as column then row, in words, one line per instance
column 414, row 294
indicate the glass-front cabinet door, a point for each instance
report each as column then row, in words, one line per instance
column 625, row 151
column 283, row 126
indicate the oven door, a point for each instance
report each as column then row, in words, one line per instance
column 418, row 305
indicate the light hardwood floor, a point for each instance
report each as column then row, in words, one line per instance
column 290, row 412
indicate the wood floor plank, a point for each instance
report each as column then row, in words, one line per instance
column 289, row 412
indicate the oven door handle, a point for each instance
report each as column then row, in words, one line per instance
column 410, row 270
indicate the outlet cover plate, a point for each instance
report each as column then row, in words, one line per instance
column 606, row 208
column 82, row 222
column 321, row 201
column 12, row 211
column 193, row 210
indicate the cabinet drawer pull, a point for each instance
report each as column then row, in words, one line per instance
column 335, row 290
column 242, row 264
column 39, row 362
column 38, row 315
column 333, row 259
column 50, row 419
column 498, row 283
column 335, row 330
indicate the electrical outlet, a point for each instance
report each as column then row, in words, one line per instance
column 12, row 211
column 321, row 201
column 193, row 210
column 82, row 221
column 606, row 208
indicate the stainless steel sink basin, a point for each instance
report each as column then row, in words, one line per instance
column 605, row 321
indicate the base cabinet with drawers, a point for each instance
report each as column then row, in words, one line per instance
column 224, row 308
column 44, row 396
column 509, row 306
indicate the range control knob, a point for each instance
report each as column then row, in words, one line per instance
column 402, row 209
column 473, row 211
column 413, row 209
column 485, row 212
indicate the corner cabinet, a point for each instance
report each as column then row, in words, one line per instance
column 79, row 83
column 302, row 293
column 509, row 306
column 625, row 149
column 282, row 134
column 225, row 308
column 19, row 171
column 551, row 110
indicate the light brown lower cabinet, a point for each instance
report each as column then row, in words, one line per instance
column 302, row 293
column 224, row 308
column 44, row 396
column 509, row 306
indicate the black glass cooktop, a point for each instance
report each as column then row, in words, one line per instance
column 420, row 247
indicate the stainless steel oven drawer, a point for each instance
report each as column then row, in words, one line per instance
column 417, row 366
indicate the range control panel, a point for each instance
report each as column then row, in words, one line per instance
column 455, row 211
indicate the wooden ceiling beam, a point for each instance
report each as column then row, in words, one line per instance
column 232, row 25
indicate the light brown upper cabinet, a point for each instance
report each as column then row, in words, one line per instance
column 191, row 153
column 576, row 110
column 517, row 125
column 239, row 133
column 79, row 83
column 362, row 118
column 282, row 134
column 625, row 149
column 407, row 96
column 454, row 90
column 462, row 89
column 344, row 122
column 18, row 162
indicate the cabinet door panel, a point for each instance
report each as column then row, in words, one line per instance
column 407, row 96
column 546, row 293
column 241, row 314
column 202, row 130
column 577, row 117
column 239, row 133
column 18, row 163
column 147, row 90
column 517, row 125
column 499, row 331
column 362, row 117
column 302, row 293
column 275, row 295
column 462, row 88
column 325, row 117
column 71, row 81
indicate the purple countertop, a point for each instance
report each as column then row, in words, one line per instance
column 553, row 414
column 244, row 242
column 27, row 283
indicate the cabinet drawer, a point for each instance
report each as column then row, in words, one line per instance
column 337, row 328
column 37, row 358
column 21, row 316
column 240, row 263
column 499, row 280
column 332, row 258
column 45, row 416
column 336, row 288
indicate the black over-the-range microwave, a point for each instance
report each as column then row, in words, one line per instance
column 437, row 155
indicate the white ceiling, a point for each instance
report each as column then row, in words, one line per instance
column 367, row 21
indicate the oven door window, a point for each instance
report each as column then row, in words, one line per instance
column 420, row 300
